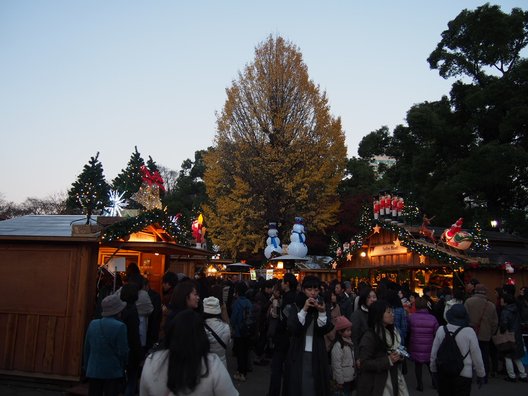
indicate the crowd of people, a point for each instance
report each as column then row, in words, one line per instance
column 318, row 338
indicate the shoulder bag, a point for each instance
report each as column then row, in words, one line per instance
column 504, row 342
column 216, row 336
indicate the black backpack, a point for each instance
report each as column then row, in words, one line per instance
column 449, row 360
column 249, row 323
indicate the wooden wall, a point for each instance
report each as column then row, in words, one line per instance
column 48, row 291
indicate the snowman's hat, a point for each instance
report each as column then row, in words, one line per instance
column 272, row 225
column 299, row 220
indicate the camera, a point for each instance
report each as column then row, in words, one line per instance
column 403, row 352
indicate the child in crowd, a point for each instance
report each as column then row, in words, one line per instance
column 343, row 362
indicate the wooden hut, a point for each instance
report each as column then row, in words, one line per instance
column 49, row 267
column 401, row 254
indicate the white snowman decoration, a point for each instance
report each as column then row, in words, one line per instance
column 273, row 241
column 298, row 247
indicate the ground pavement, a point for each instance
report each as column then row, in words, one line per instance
column 256, row 385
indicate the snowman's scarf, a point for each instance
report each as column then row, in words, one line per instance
column 301, row 236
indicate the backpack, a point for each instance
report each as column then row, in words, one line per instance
column 248, row 327
column 449, row 360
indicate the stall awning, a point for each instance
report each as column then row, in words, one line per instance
column 160, row 247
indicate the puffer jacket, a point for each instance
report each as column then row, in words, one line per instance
column 422, row 329
column 343, row 367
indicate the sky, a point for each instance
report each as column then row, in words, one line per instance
column 81, row 77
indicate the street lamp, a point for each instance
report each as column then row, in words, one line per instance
column 494, row 223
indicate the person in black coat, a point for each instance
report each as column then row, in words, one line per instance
column 307, row 368
column 130, row 317
column 154, row 322
column 510, row 320
column 281, row 339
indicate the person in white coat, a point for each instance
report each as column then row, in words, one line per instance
column 218, row 332
column 343, row 362
column 467, row 342
column 185, row 366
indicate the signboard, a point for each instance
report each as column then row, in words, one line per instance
column 116, row 264
column 384, row 250
column 269, row 274
column 253, row 274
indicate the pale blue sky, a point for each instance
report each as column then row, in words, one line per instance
column 77, row 77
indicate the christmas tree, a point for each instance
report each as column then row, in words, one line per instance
column 129, row 180
column 90, row 191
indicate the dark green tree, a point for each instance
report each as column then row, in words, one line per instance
column 129, row 179
column 375, row 143
column 485, row 45
column 90, row 191
column 480, row 42
column 188, row 192
column 360, row 178
column 466, row 154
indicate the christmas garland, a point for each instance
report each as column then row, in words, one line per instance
column 406, row 239
column 137, row 223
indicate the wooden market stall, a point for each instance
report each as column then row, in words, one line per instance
column 403, row 255
column 49, row 267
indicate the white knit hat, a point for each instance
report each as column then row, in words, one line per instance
column 211, row 305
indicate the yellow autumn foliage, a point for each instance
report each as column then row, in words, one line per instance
column 278, row 153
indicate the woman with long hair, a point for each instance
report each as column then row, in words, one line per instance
column 359, row 317
column 379, row 355
column 185, row 366
column 185, row 296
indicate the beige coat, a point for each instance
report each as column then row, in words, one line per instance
column 482, row 316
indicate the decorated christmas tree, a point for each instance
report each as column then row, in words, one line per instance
column 90, row 191
column 130, row 179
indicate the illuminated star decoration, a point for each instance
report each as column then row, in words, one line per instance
column 117, row 203
column 397, row 242
column 349, row 257
column 376, row 229
column 422, row 259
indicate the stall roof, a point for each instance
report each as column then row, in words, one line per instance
column 44, row 227
column 167, row 248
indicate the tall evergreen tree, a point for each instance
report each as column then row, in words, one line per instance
column 129, row 180
column 188, row 193
column 279, row 152
column 467, row 154
column 90, row 191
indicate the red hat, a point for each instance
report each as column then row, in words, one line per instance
column 341, row 323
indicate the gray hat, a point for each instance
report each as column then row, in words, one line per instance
column 211, row 305
column 112, row 305
column 457, row 315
